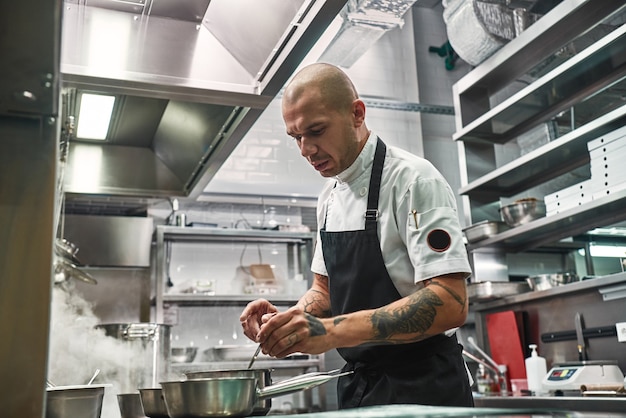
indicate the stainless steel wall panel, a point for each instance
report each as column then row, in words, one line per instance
column 110, row 241
column 27, row 200
column 29, row 47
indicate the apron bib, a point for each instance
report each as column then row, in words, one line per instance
column 429, row 372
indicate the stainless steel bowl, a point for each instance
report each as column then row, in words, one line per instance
column 183, row 354
column 548, row 281
column 523, row 211
column 153, row 403
column 130, row 405
column 233, row 353
column 74, row 401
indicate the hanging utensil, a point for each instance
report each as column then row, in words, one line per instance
column 580, row 338
column 256, row 354
column 168, row 258
column 93, row 377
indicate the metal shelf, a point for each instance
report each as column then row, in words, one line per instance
column 558, row 291
column 301, row 242
column 286, row 363
column 579, row 78
column 604, row 211
column 175, row 233
column 545, row 163
column 556, row 29
column 224, row 300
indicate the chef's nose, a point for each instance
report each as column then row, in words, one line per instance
column 307, row 147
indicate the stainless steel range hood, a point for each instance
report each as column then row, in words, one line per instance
column 190, row 79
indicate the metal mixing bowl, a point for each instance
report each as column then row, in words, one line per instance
column 183, row 354
column 548, row 281
column 523, row 211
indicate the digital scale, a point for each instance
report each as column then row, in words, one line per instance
column 571, row 376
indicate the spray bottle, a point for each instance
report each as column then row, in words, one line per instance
column 536, row 369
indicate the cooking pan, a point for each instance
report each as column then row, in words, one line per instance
column 230, row 396
column 263, row 377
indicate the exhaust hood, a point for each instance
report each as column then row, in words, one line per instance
column 189, row 79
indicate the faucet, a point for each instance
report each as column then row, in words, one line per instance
column 489, row 364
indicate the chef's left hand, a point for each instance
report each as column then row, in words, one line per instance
column 293, row 331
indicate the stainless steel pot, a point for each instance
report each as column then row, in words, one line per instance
column 153, row 403
column 230, row 396
column 151, row 342
column 263, row 378
column 74, row 401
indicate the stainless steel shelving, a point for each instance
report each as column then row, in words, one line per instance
column 222, row 300
column 576, row 83
column 547, row 162
column 580, row 77
column 569, row 19
column 604, row 211
column 302, row 241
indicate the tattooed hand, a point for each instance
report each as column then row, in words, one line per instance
column 293, row 331
column 256, row 313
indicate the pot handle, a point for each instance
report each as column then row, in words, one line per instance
column 306, row 375
column 298, row 384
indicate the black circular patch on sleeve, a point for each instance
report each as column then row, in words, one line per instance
column 438, row 240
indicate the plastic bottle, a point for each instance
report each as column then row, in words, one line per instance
column 503, row 379
column 536, row 370
column 484, row 381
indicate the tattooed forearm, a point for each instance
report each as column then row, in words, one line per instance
column 315, row 303
column 415, row 318
column 461, row 300
column 316, row 328
column 337, row 320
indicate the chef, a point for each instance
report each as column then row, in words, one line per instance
column 390, row 266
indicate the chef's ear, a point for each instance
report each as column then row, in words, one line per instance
column 358, row 112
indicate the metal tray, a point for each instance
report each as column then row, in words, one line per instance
column 484, row 291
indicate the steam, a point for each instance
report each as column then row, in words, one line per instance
column 78, row 348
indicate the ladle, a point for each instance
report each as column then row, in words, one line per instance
column 93, row 377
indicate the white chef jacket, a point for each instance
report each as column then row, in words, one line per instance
column 412, row 191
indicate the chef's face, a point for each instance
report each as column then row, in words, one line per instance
column 327, row 136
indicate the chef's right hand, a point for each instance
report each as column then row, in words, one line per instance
column 254, row 315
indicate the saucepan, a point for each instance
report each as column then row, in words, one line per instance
column 231, row 396
column 263, row 377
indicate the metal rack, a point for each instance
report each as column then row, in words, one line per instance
column 577, row 84
column 299, row 253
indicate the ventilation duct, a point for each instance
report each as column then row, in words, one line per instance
column 190, row 77
column 364, row 22
column 478, row 28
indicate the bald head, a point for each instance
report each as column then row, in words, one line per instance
column 332, row 86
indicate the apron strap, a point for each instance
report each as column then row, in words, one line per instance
column 371, row 214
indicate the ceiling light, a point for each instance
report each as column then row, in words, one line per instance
column 94, row 116
column 605, row 251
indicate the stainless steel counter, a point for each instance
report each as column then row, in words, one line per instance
column 613, row 404
column 423, row 411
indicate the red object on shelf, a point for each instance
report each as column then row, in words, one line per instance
column 505, row 331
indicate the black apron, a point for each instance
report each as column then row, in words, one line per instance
column 429, row 372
